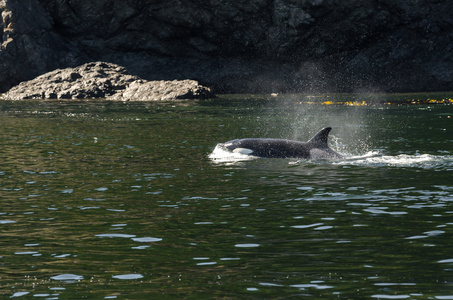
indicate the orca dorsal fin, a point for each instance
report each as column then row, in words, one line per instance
column 319, row 140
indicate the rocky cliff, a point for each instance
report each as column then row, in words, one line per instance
column 238, row 46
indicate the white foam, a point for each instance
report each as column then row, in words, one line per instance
column 425, row 161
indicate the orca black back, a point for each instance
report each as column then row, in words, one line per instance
column 316, row 148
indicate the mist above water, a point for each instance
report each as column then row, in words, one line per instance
column 302, row 117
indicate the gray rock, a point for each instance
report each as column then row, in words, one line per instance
column 163, row 90
column 91, row 80
column 104, row 80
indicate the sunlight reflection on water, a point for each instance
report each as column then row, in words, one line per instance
column 141, row 210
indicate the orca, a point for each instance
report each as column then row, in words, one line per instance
column 315, row 148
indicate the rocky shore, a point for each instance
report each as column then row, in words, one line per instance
column 104, row 80
column 258, row 46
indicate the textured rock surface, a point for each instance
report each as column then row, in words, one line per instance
column 250, row 46
column 29, row 44
column 163, row 90
column 104, row 80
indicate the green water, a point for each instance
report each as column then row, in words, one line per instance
column 104, row 200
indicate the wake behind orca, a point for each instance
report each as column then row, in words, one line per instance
column 315, row 148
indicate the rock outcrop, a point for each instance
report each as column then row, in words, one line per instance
column 104, row 80
column 238, row 46
column 141, row 90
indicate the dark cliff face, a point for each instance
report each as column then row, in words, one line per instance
column 238, row 46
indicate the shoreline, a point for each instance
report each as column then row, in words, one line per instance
column 339, row 99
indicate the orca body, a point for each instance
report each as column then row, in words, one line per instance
column 315, row 148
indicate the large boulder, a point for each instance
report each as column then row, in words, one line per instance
column 163, row 90
column 91, row 80
column 104, row 80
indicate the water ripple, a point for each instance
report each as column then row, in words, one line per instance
column 67, row 277
column 7, row 222
column 115, row 235
column 247, row 245
column 128, row 276
column 424, row 161
column 147, row 239
column 307, row 226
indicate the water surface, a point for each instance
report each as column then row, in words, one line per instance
column 107, row 200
